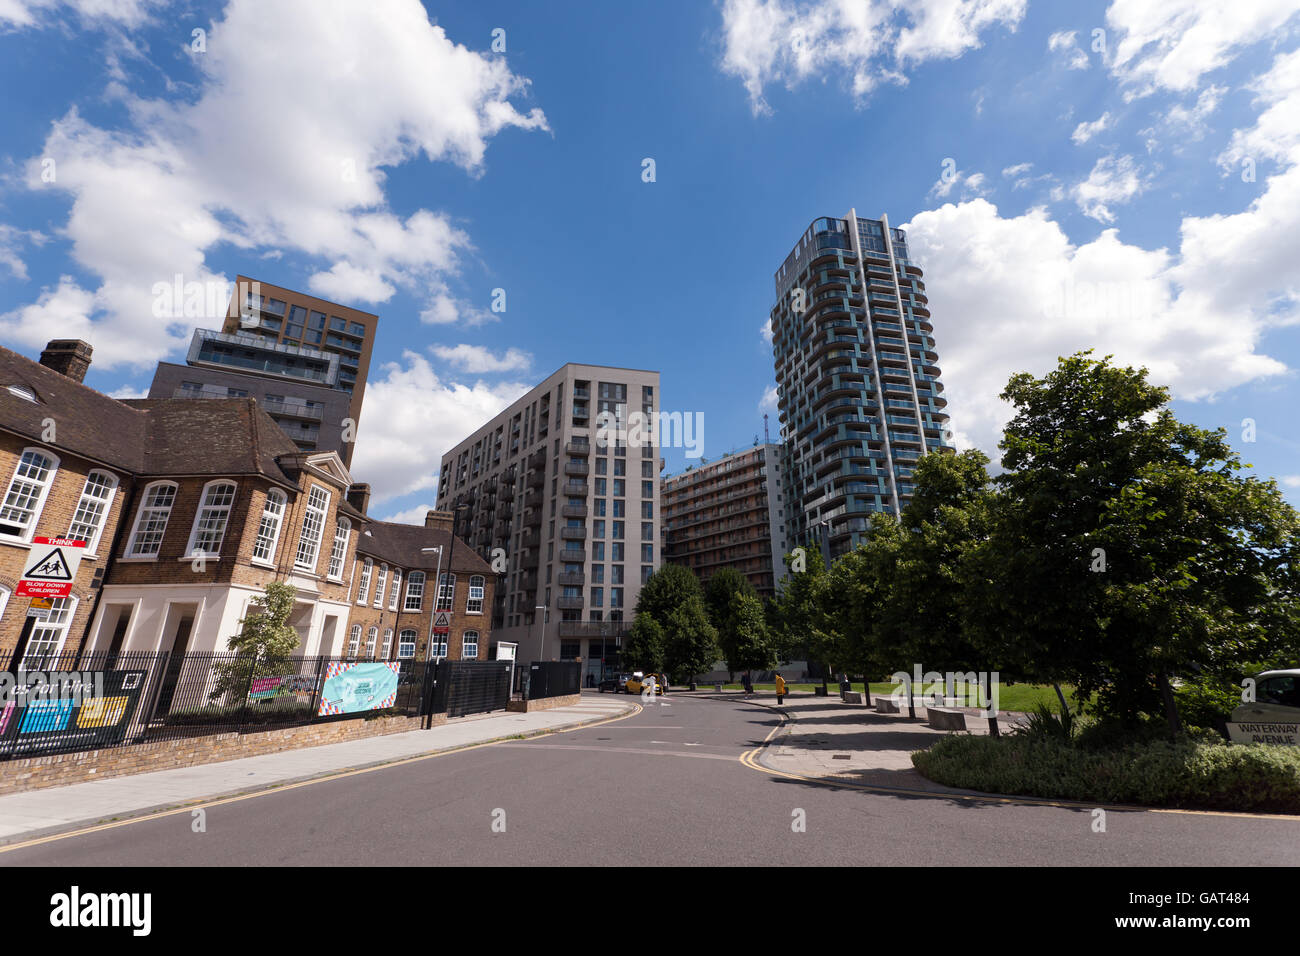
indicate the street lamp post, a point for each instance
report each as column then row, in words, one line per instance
column 541, row 634
column 437, row 585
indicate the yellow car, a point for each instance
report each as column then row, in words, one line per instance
column 637, row 683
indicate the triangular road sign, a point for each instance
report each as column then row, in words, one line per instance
column 52, row 567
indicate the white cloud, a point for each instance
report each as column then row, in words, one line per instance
column 1276, row 133
column 1086, row 131
column 411, row 417
column 1065, row 42
column 769, row 400
column 1172, row 44
column 1017, row 170
column 970, row 185
column 128, row 391
column 1113, row 180
column 765, row 331
column 11, row 240
column 1290, row 481
column 1013, row 294
column 31, row 13
column 871, row 41
column 413, row 515
column 301, row 107
column 475, row 358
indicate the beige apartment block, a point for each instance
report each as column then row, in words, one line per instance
column 729, row 513
column 560, row 495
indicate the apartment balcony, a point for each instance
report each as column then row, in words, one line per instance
column 533, row 540
column 573, row 555
column 580, row 413
column 531, row 559
column 569, row 603
column 536, row 479
column 533, row 499
column 574, row 511
column 608, row 629
column 576, row 468
column 573, row 534
column 575, row 489
column 572, row 580
column 582, row 448
column 537, row 459
column 533, row 519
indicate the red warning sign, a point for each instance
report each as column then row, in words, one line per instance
column 51, row 568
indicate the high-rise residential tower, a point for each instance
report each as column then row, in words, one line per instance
column 560, row 493
column 729, row 513
column 857, row 381
column 294, row 322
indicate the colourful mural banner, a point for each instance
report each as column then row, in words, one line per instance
column 352, row 688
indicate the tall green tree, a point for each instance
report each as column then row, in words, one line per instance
column 745, row 642
column 643, row 648
column 264, row 642
column 800, row 625
column 1126, row 547
column 690, row 641
column 718, row 592
column 666, row 590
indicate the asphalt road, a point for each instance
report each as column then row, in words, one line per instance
column 662, row 787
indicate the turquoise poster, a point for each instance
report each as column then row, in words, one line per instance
column 351, row 688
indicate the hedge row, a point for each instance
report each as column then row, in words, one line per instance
column 1191, row 774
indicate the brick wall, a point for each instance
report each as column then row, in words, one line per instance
column 546, row 703
column 53, row 521
column 35, row 773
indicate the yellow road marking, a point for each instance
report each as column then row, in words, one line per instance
column 334, row 775
column 750, row 759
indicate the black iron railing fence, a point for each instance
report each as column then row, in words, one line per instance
column 102, row 699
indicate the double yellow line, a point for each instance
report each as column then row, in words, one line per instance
column 334, row 775
column 750, row 759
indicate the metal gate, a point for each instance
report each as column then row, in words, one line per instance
column 471, row 687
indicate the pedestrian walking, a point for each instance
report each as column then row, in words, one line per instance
column 780, row 689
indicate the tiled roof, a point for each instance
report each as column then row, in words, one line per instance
column 86, row 422
column 232, row 436
column 400, row 544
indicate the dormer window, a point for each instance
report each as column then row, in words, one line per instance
column 23, row 391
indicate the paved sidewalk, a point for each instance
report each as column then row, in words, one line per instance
column 38, row 812
column 824, row 737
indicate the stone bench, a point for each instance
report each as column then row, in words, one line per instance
column 886, row 705
column 941, row 718
column 850, row 697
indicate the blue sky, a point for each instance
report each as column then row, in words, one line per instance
column 1123, row 176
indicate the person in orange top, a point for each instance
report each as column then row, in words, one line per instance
column 780, row 689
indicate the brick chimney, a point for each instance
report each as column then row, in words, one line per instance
column 359, row 497
column 439, row 520
column 70, row 357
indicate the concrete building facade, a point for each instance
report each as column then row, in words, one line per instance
column 560, row 494
column 857, row 378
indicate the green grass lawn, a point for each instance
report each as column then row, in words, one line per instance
column 1011, row 697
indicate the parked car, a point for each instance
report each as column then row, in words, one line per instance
column 1277, row 699
column 637, row 683
column 615, row 683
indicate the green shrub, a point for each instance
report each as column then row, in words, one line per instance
column 1207, row 703
column 1042, row 724
column 1192, row 773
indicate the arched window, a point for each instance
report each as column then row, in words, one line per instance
column 396, row 591
column 268, row 529
column 354, row 640
column 26, row 495
column 474, row 604
column 210, row 522
column 414, row 592
column 151, row 520
column 446, row 592
column 363, row 587
column 379, row 588
column 48, row 635
column 313, row 526
column 372, row 636
column 469, row 645
column 92, row 509
column 388, row 644
column 406, row 644
column 339, row 552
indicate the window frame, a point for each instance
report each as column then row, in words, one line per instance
column 464, row 642
column 481, row 587
column 363, row 585
column 38, row 506
column 275, row 494
column 191, row 549
column 308, row 510
column 344, row 525
column 132, row 551
column 411, row 581
column 92, row 543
